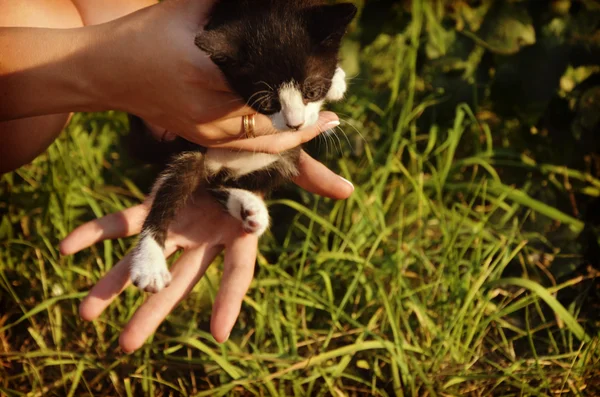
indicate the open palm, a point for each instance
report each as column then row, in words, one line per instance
column 202, row 230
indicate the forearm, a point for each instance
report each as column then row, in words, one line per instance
column 145, row 63
column 48, row 71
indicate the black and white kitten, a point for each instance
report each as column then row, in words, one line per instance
column 279, row 56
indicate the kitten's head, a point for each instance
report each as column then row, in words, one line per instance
column 279, row 56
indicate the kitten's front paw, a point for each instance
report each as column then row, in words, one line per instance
column 338, row 86
column 249, row 209
column 148, row 269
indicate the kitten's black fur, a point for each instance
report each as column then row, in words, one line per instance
column 263, row 43
column 258, row 45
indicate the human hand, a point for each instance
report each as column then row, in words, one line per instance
column 200, row 246
column 180, row 89
column 145, row 63
column 267, row 140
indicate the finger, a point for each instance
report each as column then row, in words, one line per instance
column 238, row 272
column 230, row 127
column 106, row 290
column 186, row 272
column 243, row 110
column 223, row 105
column 109, row 287
column 120, row 224
column 317, row 178
column 277, row 142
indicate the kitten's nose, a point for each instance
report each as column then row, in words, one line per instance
column 294, row 127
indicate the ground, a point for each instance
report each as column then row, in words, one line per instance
column 465, row 263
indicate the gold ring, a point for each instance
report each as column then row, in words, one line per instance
column 248, row 124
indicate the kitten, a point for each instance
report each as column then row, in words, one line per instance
column 281, row 58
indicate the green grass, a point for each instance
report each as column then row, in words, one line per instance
column 434, row 278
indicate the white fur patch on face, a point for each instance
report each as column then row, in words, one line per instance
column 311, row 113
column 338, row 85
column 294, row 113
column 292, row 105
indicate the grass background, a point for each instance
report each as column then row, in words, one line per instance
column 465, row 263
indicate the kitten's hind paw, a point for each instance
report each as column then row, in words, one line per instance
column 249, row 209
column 148, row 269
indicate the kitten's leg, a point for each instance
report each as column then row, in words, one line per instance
column 171, row 191
column 338, row 86
column 149, row 270
column 245, row 206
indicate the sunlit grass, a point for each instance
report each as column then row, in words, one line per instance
column 424, row 282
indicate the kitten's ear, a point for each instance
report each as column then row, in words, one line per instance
column 327, row 24
column 214, row 43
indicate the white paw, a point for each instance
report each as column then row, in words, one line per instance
column 338, row 85
column 149, row 270
column 249, row 209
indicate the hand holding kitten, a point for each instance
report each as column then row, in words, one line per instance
column 200, row 246
column 182, row 90
column 145, row 63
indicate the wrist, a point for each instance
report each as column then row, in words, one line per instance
column 98, row 70
column 112, row 61
column 82, row 83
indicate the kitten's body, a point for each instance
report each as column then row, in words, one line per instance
column 281, row 57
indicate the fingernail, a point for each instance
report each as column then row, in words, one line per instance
column 333, row 123
column 168, row 136
column 128, row 352
column 347, row 181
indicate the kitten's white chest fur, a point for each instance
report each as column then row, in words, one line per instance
column 240, row 162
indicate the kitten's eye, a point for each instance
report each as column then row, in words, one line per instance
column 223, row 60
column 312, row 93
column 269, row 106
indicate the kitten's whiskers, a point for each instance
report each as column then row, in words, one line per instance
column 351, row 125
column 267, row 84
column 261, row 96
